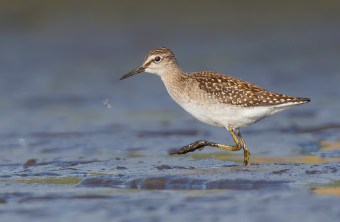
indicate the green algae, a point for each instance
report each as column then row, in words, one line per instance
column 49, row 180
column 333, row 184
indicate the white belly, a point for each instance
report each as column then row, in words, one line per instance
column 224, row 115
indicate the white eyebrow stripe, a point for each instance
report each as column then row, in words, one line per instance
column 148, row 62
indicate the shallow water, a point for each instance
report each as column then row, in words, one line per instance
column 66, row 156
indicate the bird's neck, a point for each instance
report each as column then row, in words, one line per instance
column 173, row 77
column 174, row 83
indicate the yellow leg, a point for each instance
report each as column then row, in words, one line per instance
column 232, row 148
column 246, row 151
column 202, row 143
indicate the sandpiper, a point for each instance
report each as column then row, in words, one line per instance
column 215, row 99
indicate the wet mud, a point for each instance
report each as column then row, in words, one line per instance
column 176, row 184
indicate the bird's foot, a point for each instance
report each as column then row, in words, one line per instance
column 191, row 147
column 246, row 156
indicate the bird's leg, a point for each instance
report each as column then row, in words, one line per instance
column 202, row 143
column 246, row 151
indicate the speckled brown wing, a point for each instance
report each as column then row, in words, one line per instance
column 237, row 92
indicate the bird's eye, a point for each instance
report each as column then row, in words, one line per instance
column 158, row 58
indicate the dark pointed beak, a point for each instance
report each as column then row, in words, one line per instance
column 134, row 72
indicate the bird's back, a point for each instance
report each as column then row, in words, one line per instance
column 236, row 92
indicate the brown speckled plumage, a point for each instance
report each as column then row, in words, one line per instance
column 237, row 92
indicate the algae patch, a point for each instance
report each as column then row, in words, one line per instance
column 306, row 158
column 332, row 188
column 49, row 180
column 333, row 184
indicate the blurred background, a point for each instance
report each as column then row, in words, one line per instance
column 60, row 59
column 63, row 153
